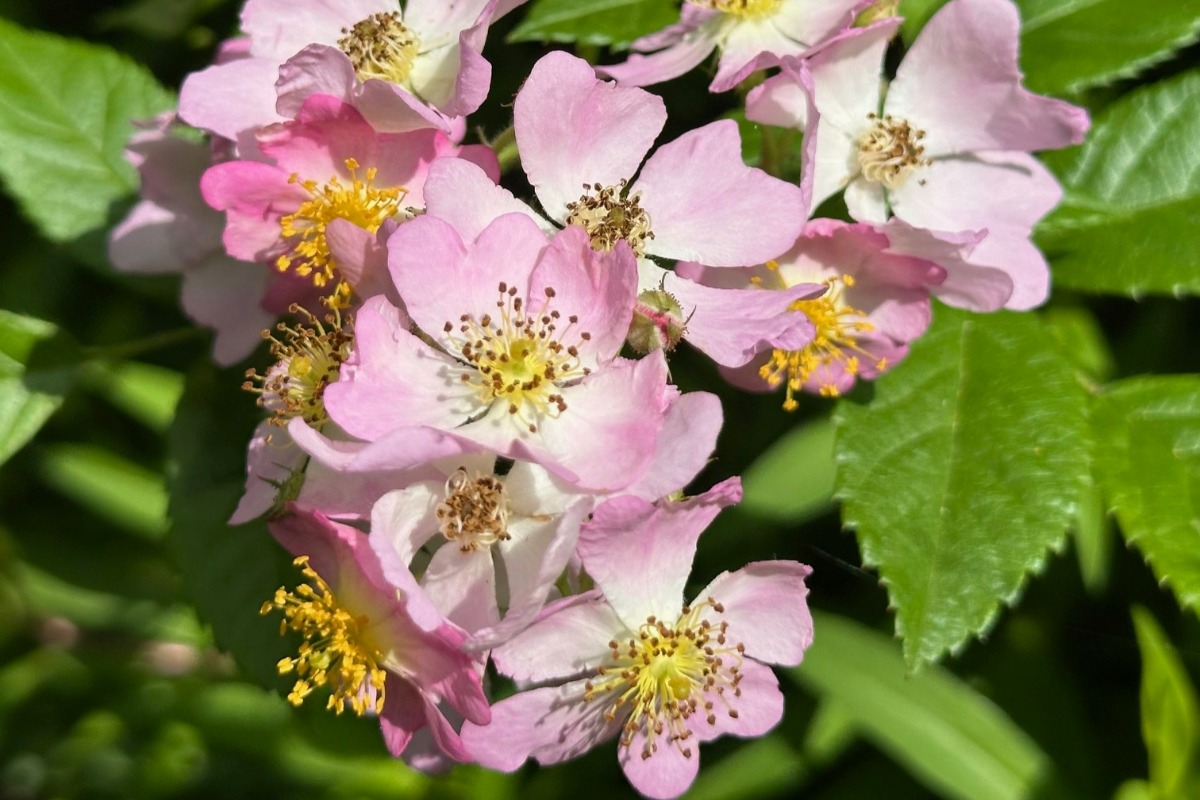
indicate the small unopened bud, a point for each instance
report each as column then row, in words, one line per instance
column 880, row 9
column 658, row 322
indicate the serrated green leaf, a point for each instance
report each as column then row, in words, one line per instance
column 1132, row 205
column 128, row 495
column 604, row 23
column 1069, row 45
column 28, row 396
column 228, row 572
column 943, row 732
column 793, row 480
column 964, row 470
column 1170, row 715
column 65, row 111
column 1146, row 435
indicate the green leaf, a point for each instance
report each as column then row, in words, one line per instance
column 604, row 23
column 962, row 472
column 228, row 572
column 1147, row 433
column 1170, row 716
column 65, row 111
column 145, row 392
column 113, row 487
column 28, row 396
column 943, row 732
column 1069, row 45
column 764, row 768
column 1132, row 205
column 793, row 480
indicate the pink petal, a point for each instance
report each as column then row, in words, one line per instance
column 255, row 196
column 403, row 714
column 552, row 725
column 640, row 555
column 759, row 707
column 231, row 99
column 569, row 639
column 271, row 459
column 750, row 45
column 473, row 77
column 463, row 586
column 812, row 23
column 435, row 19
column 759, row 217
column 666, row 774
column 225, row 295
column 441, row 278
column 1023, row 261
column 459, row 192
column 599, row 289
column 361, row 258
column 402, row 521
column 317, row 69
column 684, row 448
column 669, row 62
column 394, row 380
column 766, row 608
column 280, row 28
column 996, row 191
column 961, row 84
column 389, row 108
column 732, row 326
column 574, row 130
column 404, row 450
column 967, row 285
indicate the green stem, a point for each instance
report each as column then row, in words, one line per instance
column 505, row 147
column 158, row 341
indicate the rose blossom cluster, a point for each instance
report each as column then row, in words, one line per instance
column 473, row 447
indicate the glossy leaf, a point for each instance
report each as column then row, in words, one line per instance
column 793, row 480
column 27, row 396
column 1127, row 222
column 962, row 472
column 1069, row 45
column 65, row 115
column 941, row 730
column 1148, row 459
column 610, row 23
column 1170, row 715
column 108, row 485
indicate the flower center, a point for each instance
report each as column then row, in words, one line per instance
column 380, row 46
column 837, row 328
column 667, row 675
column 334, row 652
column 740, row 8
column 608, row 217
column 518, row 357
column 307, row 359
column 890, row 151
column 475, row 511
column 360, row 202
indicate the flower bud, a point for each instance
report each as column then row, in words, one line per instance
column 658, row 322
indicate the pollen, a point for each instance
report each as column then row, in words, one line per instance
column 380, row 47
column 671, row 679
column 519, row 357
column 890, row 151
column 359, row 202
column 334, row 653
column 308, row 358
column 838, row 328
column 609, row 216
column 475, row 511
column 740, row 8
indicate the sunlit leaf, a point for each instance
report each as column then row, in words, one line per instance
column 1170, row 715
column 130, row 496
column 29, row 394
column 611, row 23
column 963, row 471
column 1148, row 438
column 65, row 115
column 941, row 730
column 1132, row 205
column 793, row 480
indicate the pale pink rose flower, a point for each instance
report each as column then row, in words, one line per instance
column 380, row 647
column 749, row 35
column 631, row 660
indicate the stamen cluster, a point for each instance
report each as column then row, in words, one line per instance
column 891, row 150
column 475, row 511
column 610, row 217
column 380, row 47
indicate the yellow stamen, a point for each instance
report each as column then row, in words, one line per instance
column 361, row 203
column 836, row 341
column 518, row 358
column 307, row 359
column 334, row 652
column 667, row 675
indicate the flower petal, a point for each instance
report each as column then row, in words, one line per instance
column 665, row 774
column 461, row 193
column 569, row 640
column 684, row 447
column 766, row 607
column 463, row 586
column 574, row 130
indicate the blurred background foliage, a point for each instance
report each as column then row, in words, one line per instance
column 118, row 579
